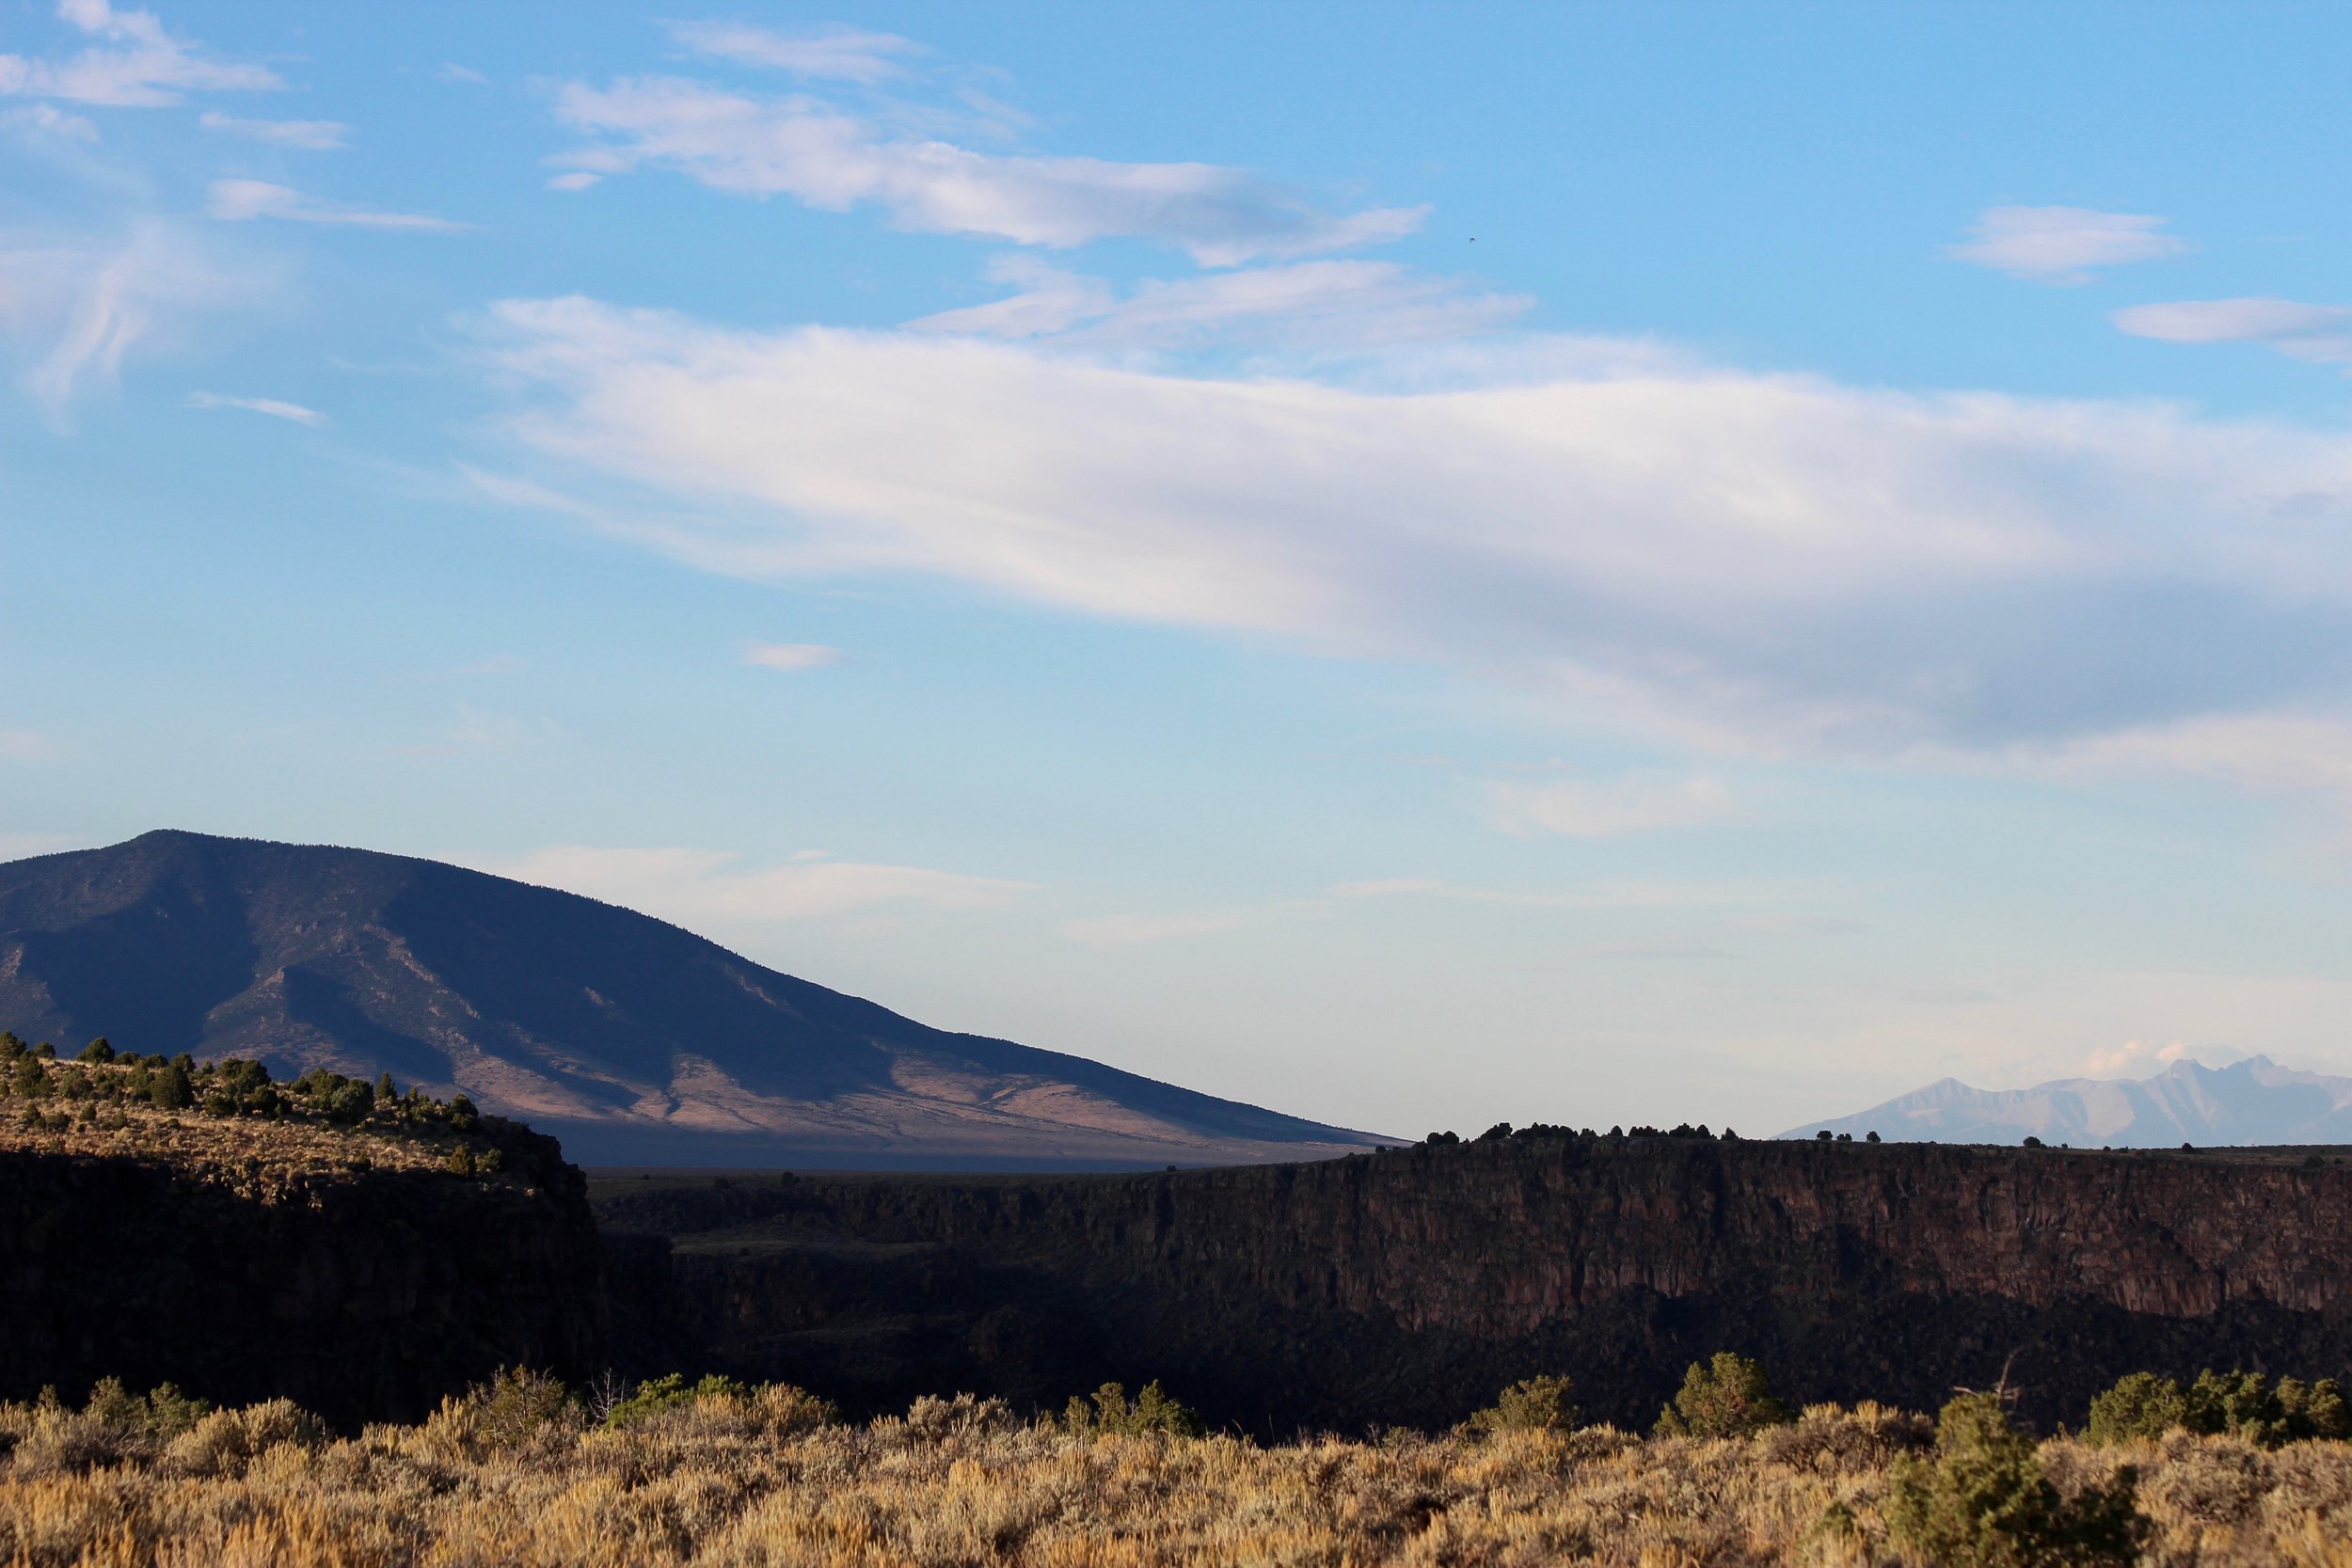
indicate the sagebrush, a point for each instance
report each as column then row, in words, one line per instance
column 722, row 1474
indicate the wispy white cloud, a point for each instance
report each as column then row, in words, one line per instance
column 1606, row 808
column 476, row 730
column 2322, row 333
column 1756, row 564
column 842, row 54
column 790, row 656
column 1595, row 896
column 510, row 490
column 237, row 200
column 2291, row 754
column 1134, row 930
column 2298, row 757
column 2140, row 1058
column 694, row 886
column 80, row 305
column 1353, row 306
column 1130, row 930
column 579, row 179
column 452, row 71
column 832, row 160
column 271, row 406
column 2060, row 244
column 317, row 135
column 138, row 65
column 46, row 121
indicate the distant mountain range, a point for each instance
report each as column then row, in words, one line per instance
column 630, row 1039
column 2252, row 1101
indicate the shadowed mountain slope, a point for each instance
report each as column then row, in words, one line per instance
column 2252, row 1101
column 632, row 1040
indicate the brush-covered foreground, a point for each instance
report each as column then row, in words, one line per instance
column 768, row 1476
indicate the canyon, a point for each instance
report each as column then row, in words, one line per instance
column 364, row 1295
column 1406, row 1287
column 1398, row 1288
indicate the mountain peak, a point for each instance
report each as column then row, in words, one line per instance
column 2250, row 1100
column 632, row 1040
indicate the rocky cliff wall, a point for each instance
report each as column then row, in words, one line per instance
column 365, row 1296
column 1407, row 1286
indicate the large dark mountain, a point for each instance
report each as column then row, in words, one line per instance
column 632, row 1040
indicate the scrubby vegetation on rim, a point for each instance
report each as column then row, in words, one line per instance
column 716, row 1472
column 117, row 1103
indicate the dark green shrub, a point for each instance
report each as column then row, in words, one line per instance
column 2246, row 1405
column 517, row 1404
column 241, row 1077
column 461, row 1162
column 98, row 1050
column 169, row 1412
column 671, row 1392
column 246, row 1087
column 1531, row 1405
column 2141, row 1405
column 1983, row 1503
column 169, row 1090
column 462, row 1115
column 2314, row 1409
column 1110, row 1414
column 345, row 1101
column 158, row 1416
column 349, row 1104
column 1728, row 1396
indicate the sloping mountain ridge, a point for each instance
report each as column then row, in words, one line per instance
column 2251, row 1102
column 632, row 1040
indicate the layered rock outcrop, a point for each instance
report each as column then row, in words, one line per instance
column 365, row 1295
column 1407, row 1286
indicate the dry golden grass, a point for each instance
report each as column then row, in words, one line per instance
column 759, row 1481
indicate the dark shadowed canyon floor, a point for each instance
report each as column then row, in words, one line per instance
column 1406, row 1287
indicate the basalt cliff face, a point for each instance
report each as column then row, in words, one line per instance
column 1409, row 1286
column 364, row 1295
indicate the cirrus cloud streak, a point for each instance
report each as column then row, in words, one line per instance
column 834, row 161
column 2060, row 244
column 2321, row 333
column 1760, row 564
column 241, row 200
column 138, row 65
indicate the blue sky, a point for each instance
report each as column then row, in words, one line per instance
column 1419, row 565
